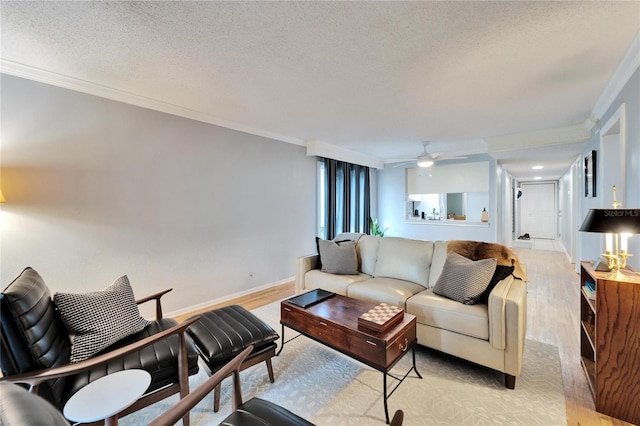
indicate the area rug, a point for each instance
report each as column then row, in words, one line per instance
column 328, row 388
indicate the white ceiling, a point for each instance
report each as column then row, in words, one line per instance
column 376, row 78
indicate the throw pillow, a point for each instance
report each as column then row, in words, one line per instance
column 464, row 280
column 338, row 257
column 501, row 273
column 100, row 318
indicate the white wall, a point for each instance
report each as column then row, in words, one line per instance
column 590, row 245
column 96, row 189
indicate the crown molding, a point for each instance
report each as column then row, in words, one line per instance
column 629, row 64
column 540, row 138
column 323, row 149
column 31, row 73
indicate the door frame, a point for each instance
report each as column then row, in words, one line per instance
column 555, row 203
column 616, row 125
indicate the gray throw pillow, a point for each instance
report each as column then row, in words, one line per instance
column 100, row 318
column 338, row 257
column 464, row 280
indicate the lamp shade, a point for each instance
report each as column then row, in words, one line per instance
column 1, row 197
column 612, row 221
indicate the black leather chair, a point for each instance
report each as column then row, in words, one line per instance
column 21, row 408
column 35, row 348
column 18, row 407
column 255, row 412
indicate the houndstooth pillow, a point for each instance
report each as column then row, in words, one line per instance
column 100, row 318
column 464, row 280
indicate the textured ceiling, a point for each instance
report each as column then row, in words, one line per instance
column 373, row 77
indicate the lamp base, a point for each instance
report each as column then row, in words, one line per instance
column 615, row 274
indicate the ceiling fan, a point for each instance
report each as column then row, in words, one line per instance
column 427, row 160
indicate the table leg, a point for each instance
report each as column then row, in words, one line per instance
column 111, row 421
column 386, row 409
column 413, row 349
column 282, row 345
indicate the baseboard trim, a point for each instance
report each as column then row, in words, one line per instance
column 220, row 300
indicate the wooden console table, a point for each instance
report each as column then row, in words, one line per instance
column 610, row 341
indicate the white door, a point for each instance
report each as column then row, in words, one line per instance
column 538, row 211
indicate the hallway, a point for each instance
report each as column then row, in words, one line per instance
column 544, row 244
column 539, row 244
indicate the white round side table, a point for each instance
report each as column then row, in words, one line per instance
column 105, row 398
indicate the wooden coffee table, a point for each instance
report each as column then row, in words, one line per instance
column 334, row 323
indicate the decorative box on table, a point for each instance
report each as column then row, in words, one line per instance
column 380, row 318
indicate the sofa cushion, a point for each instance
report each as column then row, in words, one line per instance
column 368, row 253
column 338, row 257
column 331, row 282
column 441, row 312
column 100, row 318
column 404, row 259
column 437, row 261
column 463, row 279
column 387, row 290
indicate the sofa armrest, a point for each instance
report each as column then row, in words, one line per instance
column 507, row 308
column 35, row 378
column 155, row 297
column 305, row 264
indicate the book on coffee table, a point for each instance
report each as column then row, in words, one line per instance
column 380, row 318
column 310, row 298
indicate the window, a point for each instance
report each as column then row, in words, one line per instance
column 343, row 198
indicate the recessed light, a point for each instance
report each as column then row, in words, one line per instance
column 537, row 167
column 537, row 178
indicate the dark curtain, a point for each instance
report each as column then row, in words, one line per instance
column 347, row 199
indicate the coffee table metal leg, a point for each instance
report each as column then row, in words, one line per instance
column 386, row 393
column 386, row 408
column 414, row 361
column 282, row 345
column 287, row 341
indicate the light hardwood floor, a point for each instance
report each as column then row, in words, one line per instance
column 553, row 308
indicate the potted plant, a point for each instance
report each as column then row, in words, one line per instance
column 374, row 228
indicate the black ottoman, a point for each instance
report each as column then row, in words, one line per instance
column 223, row 333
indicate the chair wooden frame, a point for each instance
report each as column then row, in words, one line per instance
column 232, row 368
column 35, row 378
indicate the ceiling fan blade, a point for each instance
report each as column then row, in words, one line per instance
column 403, row 164
column 450, row 157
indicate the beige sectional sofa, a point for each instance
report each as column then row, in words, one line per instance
column 403, row 272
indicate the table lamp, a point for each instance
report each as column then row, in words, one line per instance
column 618, row 225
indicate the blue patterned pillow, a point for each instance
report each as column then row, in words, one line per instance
column 100, row 318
